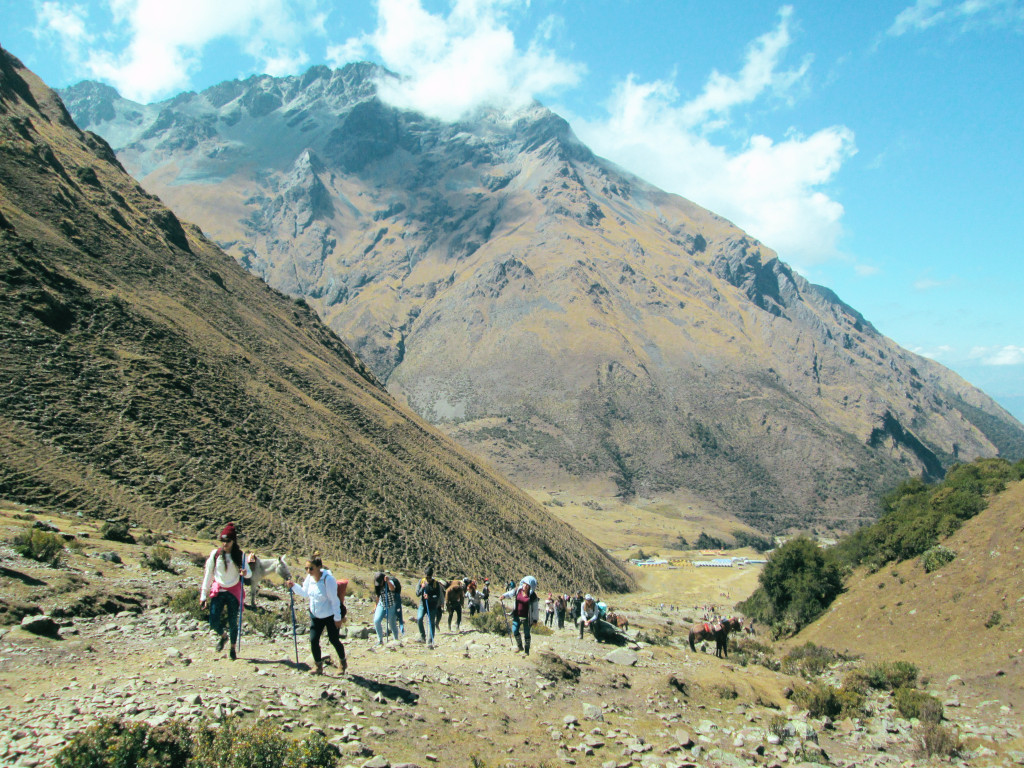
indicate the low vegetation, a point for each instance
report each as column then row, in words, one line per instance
column 936, row 557
column 117, row 531
column 43, row 546
column 114, row 743
column 911, row 702
column 157, row 559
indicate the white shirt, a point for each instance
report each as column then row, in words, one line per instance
column 224, row 570
column 322, row 594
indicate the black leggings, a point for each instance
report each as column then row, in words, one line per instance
column 316, row 628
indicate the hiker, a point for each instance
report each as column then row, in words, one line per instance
column 321, row 588
column 453, row 597
column 526, row 599
column 386, row 589
column 222, row 582
column 577, row 602
column 560, row 602
column 429, row 593
column 549, row 611
column 592, row 618
column 485, row 593
column 474, row 599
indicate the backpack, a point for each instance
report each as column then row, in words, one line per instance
column 342, row 589
column 602, row 610
column 534, row 609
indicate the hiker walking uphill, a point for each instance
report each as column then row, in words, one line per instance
column 321, row 588
column 429, row 593
column 386, row 589
column 527, row 603
column 222, row 583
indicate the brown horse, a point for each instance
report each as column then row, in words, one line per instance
column 618, row 621
column 720, row 633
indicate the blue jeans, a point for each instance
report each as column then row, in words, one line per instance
column 421, row 614
column 378, row 619
column 516, row 622
column 218, row 603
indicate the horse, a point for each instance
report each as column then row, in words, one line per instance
column 453, row 597
column 617, row 620
column 720, row 632
column 263, row 567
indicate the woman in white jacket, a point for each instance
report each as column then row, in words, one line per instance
column 222, row 584
column 321, row 588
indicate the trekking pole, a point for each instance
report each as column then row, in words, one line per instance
column 508, row 626
column 430, row 621
column 241, row 608
column 291, row 596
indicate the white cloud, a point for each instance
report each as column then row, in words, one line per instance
column 925, row 14
column 925, row 284
column 1009, row 354
column 451, row 65
column 943, row 350
column 65, row 21
column 771, row 188
column 866, row 270
column 159, row 44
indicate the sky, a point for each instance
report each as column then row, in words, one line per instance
column 877, row 147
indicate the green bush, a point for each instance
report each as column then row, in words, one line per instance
column 809, row 660
column 187, row 601
column 890, row 675
column 993, row 620
column 746, row 650
column 910, row 702
column 116, row 531
column 796, row 585
column 936, row 557
column 777, row 725
column 938, row 740
column 819, row 699
column 39, row 545
column 267, row 623
column 157, row 559
column 116, row 743
column 494, row 621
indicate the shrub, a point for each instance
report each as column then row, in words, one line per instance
column 993, row 620
column 314, row 751
column 819, row 699
column 113, row 743
column 938, row 740
column 187, row 601
column 777, row 725
column 256, row 745
column 890, row 675
column 148, row 539
column 809, row 660
column 116, row 531
column 39, row 545
column 157, row 559
column 494, row 621
column 747, row 650
column 936, row 557
column 910, row 702
column 265, row 622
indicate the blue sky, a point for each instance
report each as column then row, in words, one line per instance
column 878, row 147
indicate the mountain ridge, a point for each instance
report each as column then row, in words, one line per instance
column 153, row 379
column 550, row 310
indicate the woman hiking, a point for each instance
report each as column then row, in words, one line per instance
column 321, row 588
column 222, row 583
column 429, row 593
column 386, row 588
column 525, row 596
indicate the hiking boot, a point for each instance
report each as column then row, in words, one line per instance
column 430, row 646
column 222, row 641
column 231, row 653
column 319, row 670
column 344, row 666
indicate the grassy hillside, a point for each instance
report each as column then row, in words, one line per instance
column 150, row 378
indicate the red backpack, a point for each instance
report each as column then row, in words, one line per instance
column 342, row 589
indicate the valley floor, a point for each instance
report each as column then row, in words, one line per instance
column 470, row 701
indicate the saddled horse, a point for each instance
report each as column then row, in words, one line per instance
column 719, row 631
column 263, row 567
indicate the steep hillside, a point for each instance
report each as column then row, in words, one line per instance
column 962, row 619
column 548, row 308
column 147, row 376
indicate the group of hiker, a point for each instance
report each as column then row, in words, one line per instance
column 227, row 567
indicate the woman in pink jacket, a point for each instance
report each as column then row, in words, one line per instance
column 222, row 583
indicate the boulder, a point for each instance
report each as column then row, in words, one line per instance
column 41, row 625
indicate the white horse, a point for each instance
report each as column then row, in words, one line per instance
column 263, row 567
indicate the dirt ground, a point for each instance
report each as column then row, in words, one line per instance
column 472, row 701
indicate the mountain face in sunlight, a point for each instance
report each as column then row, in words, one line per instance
column 551, row 311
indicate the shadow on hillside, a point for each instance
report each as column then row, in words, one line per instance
column 24, row 578
column 301, row 666
column 387, row 690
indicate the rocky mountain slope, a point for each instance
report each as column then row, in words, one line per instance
column 147, row 376
column 962, row 619
column 550, row 310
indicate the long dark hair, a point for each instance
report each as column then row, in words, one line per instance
column 236, row 553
